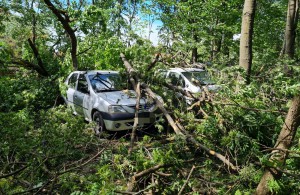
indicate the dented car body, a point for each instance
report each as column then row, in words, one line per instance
column 103, row 97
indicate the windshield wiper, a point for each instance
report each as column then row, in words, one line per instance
column 103, row 81
column 106, row 90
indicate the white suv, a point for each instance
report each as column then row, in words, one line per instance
column 101, row 96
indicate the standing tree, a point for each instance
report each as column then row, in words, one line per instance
column 203, row 28
column 290, row 29
column 280, row 151
column 246, row 36
column 64, row 19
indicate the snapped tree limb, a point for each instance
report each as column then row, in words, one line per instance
column 135, row 124
column 13, row 173
column 137, row 176
column 154, row 62
column 179, row 131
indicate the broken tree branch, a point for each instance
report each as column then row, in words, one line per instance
column 179, row 131
column 136, row 119
column 137, row 176
column 187, row 180
column 13, row 173
column 162, row 108
column 154, row 62
column 83, row 164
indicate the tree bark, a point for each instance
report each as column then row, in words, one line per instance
column 136, row 117
column 33, row 22
column 284, row 141
column 194, row 55
column 64, row 19
column 30, row 66
column 246, row 37
column 37, row 56
column 290, row 29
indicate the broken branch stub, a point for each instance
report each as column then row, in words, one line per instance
column 162, row 108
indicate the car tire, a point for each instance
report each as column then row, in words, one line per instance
column 100, row 126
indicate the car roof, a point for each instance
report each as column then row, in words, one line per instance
column 91, row 72
column 187, row 69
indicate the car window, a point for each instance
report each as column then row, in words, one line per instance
column 107, row 82
column 72, row 80
column 198, row 77
column 82, row 84
column 176, row 79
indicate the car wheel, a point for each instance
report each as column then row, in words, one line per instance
column 100, row 127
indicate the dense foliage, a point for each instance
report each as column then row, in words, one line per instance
column 44, row 149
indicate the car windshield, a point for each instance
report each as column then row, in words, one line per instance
column 107, row 82
column 197, row 77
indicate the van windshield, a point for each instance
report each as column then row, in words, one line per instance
column 107, row 82
column 197, row 77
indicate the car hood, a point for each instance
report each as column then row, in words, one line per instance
column 125, row 97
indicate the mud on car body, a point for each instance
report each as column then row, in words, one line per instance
column 101, row 96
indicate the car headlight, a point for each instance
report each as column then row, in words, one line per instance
column 116, row 109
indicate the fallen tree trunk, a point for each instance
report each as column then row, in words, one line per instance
column 179, row 131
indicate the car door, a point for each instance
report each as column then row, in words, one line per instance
column 72, row 81
column 81, row 95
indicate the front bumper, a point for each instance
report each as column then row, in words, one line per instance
column 125, row 121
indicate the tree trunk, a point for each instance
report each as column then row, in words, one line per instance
column 64, row 19
column 194, row 55
column 284, row 141
column 42, row 69
column 290, row 29
column 33, row 22
column 246, row 36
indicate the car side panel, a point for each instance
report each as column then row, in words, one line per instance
column 78, row 102
column 70, row 98
column 88, row 102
